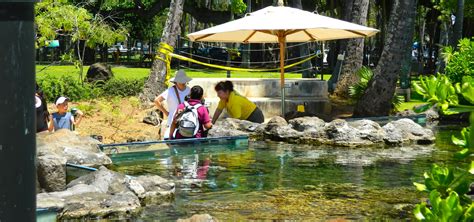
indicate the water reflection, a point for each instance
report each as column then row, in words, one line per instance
column 226, row 175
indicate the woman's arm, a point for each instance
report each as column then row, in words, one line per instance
column 216, row 115
column 172, row 129
column 159, row 105
column 174, row 123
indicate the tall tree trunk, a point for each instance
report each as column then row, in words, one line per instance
column 354, row 51
column 443, row 41
column 457, row 34
column 156, row 81
column 395, row 59
column 304, row 49
column 421, row 48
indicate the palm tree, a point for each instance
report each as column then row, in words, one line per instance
column 156, row 81
column 394, row 60
column 355, row 51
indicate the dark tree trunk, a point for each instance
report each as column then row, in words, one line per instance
column 443, row 41
column 457, row 34
column 156, row 81
column 303, row 49
column 354, row 51
column 395, row 58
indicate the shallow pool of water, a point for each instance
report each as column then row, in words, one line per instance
column 278, row 181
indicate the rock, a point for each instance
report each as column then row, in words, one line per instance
column 81, row 157
column 156, row 189
column 307, row 124
column 340, row 133
column 369, row 130
column 100, row 205
column 233, row 127
column 99, row 72
column 152, row 118
column 275, row 122
column 51, row 171
column 199, row 218
column 432, row 114
column 106, row 181
column 76, row 149
column 278, row 129
column 44, row 200
column 105, row 193
column 57, row 141
column 404, row 131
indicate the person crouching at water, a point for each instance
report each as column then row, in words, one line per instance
column 174, row 96
column 62, row 119
column 237, row 106
column 191, row 118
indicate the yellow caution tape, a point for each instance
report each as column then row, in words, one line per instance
column 167, row 51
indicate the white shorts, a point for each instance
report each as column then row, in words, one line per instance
column 166, row 135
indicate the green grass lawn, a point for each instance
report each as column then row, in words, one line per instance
column 410, row 105
column 140, row 73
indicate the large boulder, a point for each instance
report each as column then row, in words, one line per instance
column 340, row 133
column 76, row 149
column 51, row 171
column 369, row 130
column 99, row 72
column 100, row 205
column 278, row 129
column 105, row 193
column 303, row 124
column 233, row 127
column 106, row 181
column 406, row 130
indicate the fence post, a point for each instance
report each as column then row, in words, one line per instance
column 17, row 119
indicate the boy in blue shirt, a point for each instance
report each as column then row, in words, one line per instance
column 62, row 119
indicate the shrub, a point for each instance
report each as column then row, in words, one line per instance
column 122, row 87
column 461, row 62
column 53, row 87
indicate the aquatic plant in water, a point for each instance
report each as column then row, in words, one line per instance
column 448, row 186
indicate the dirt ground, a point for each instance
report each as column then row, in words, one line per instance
column 121, row 119
column 116, row 120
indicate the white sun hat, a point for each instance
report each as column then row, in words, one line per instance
column 180, row 77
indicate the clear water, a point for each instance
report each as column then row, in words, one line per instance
column 278, row 181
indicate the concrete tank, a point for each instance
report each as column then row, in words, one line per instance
column 266, row 94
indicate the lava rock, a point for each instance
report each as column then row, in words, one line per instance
column 99, row 72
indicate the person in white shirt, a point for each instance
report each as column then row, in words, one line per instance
column 173, row 96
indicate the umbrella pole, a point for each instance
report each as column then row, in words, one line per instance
column 281, row 40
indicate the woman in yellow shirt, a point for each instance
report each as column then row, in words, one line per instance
column 237, row 106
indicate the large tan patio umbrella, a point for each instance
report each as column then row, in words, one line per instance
column 280, row 25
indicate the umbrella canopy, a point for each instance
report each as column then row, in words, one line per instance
column 280, row 25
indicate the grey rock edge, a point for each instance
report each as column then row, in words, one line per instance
column 312, row 130
column 105, row 193
column 100, row 194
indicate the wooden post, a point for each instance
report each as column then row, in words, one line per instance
column 17, row 119
column 282, row 40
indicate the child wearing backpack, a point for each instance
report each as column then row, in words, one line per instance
column 191, row 118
